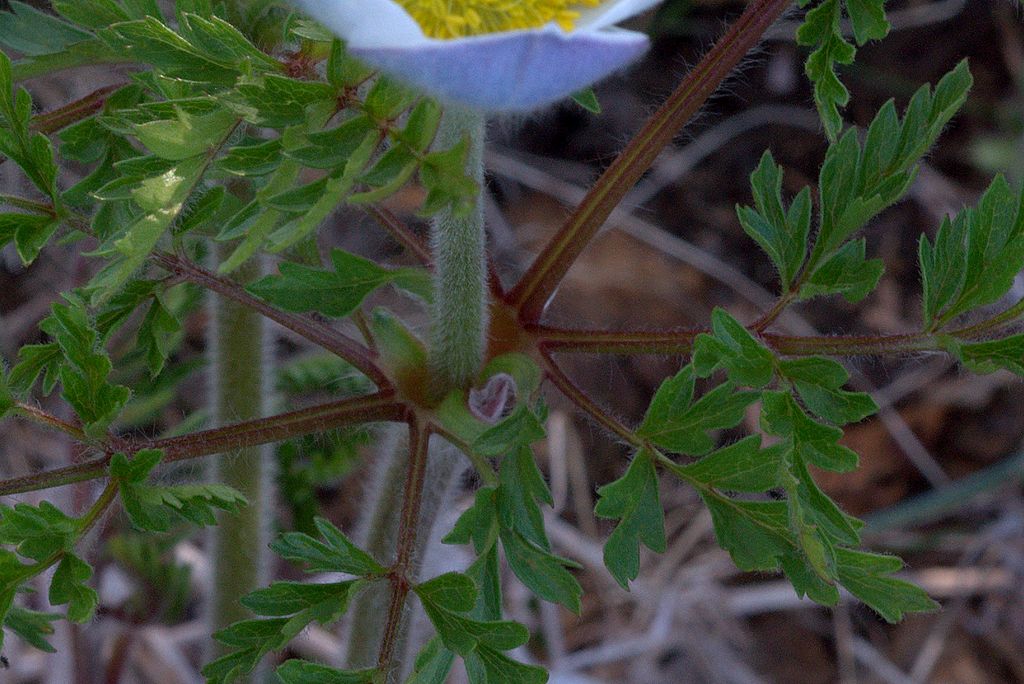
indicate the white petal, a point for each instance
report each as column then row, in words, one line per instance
column 366, row 22
column 518, row 70
column 609, row 13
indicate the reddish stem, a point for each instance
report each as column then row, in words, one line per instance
column 376, row 407
column 577, row 396
column 399, row 574
column 319, row 333
column 531, row 294
column 73, row 112
column 680, row 342
column 401, row 233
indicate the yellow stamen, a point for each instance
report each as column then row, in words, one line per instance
column 458, row 18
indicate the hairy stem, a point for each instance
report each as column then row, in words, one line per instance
column 408, row 491
column 319, row 333
column 401, row 576
column 556, row 340
column 531, row 294
column 458, row 330
column 336, row 414
column 401, row 233
column 239, row 542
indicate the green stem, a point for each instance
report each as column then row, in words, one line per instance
column 459, row 321
column 239, row 542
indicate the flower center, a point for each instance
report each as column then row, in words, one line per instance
column 458, row 18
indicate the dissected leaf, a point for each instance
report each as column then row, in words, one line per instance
column 975, row 257
column 304, row 672
column 335, row 554
column 868, row 577
column 68, row 587
column 734, row 348
column 740, row 467
column 678, row 423
column 633, row 500
column 782, row 234
column 334, row 293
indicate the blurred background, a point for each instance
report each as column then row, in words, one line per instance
column 941, row 465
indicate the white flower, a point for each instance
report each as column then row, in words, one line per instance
column 493, row 55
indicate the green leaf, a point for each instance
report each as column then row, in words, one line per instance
column 157, row 333
column 732, row 347
column 29, row 232
column 452, row 591
column 322, row 602
column 446, row 599
column 92, row 14
column 162, row 198
column 988, row 357
column 740, row 467
column 433, row 663
column 68, row 587
column 37, row 532
column 868, row 19
column 783, row 235
column 821, row 30
column 334, row 293
column 846, row 273
column 818, row 381
column 975, row 257
column 278, row 101
column 387, row 99
column 220, row 42
column 755, row 533
column 816, row 510
column 251, row 639
column 253, row 158
column 857, row 181
column 149, row 41
column 542, row 572
column 336, row 188
column 478, row 523
column 868, row 577
column 338, row 554
column 443, row 175
column 633, row 500
column 387, row 175
column 297, row 604
column 187, row 135
column 31, row 151
column 588, row 100
column 521, row 489
column 500, row 669
column 35, row 360
column 304, row 672
column 332, row 148
column 344, row 71
column 7, row 401
column 812, row 441
column 155, row 509
column 32, row 32
column 32, row 627
column 85, row 368
column 520, row 429
column 676, row 422
column 137, row 469
column 421, row 126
